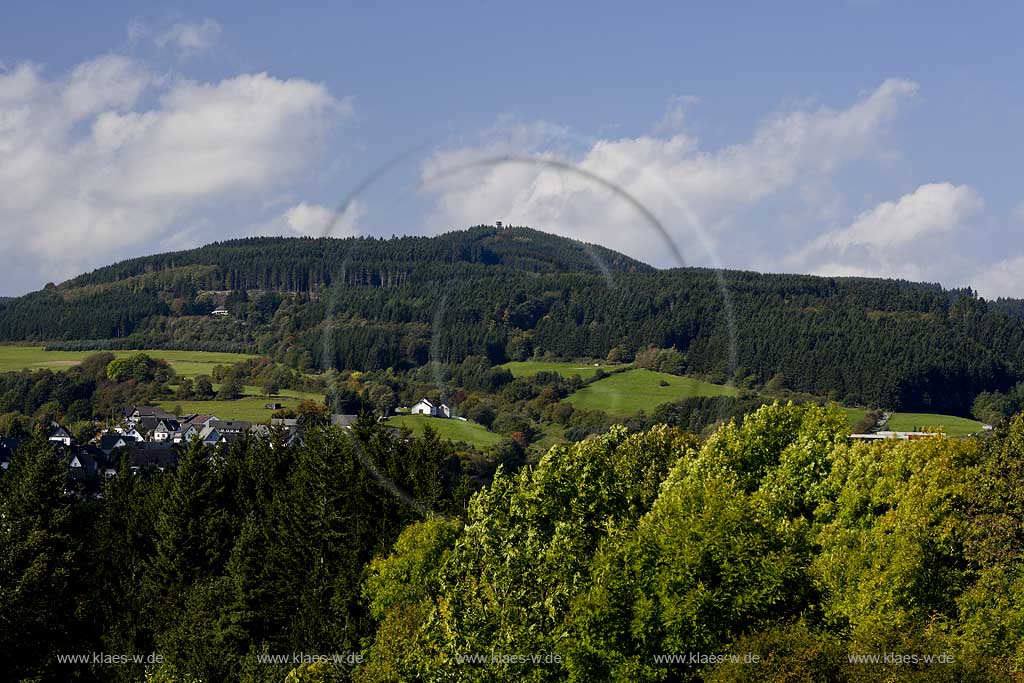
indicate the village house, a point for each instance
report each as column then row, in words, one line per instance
column 344, row 421
column 155, row 456
column 111, row 441
column 165, row 429
column 426, row 407
column 230, row 426
column 149, row 415
column 82, row 465
column 191, row 426
column 59, row 435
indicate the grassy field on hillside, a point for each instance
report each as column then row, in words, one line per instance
column 855, row 415
column 246, row 408
column 453, row 429
column 532, row 367
column 185, row 363
column 953, row 426
column 249, row 407
column 625, row 393
column 250, row 390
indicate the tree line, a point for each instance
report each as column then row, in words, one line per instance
column 512, row 294
column 773, row 537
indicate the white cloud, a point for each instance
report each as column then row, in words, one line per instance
column 109, row 82
column 936, row 208
column 189, row 38
column 88, row 173
column 315, row 220
column 903, row 238
column 698, row 194
column 1002, row 279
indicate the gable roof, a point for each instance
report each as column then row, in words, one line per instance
column 344, row 420
column 209, row 434
column 151, row 411
column 148, row 424
column 83, row 459
column 195, row 419
column 227, row 426
column 108, row 442
column 59, row 432
column 145, row 455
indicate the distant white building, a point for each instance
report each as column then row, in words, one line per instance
column 903, row 436
column 166, row 430
column 220, row 310
column 60, row 435
column 425, row 407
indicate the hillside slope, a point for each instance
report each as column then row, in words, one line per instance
column 506, row 294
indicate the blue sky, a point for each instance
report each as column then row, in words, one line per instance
column 865, row 138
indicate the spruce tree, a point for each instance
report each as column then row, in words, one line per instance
column 39, row 566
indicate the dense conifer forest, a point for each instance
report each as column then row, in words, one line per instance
column 515, row 293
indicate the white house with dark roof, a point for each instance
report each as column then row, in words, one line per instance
column 209, row 436
column 151, row 414
column 426, row 407
column 111, row 441
column 60, row 435
column 82, row 465
column 165, row 430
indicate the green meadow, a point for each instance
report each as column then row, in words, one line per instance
column 249, row 408
column 185, row 363
column 854, row 415
column 953, row 426
column 455, row 430
column 626, row 393
column 566, row 369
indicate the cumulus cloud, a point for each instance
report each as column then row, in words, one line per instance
column 901, row 238
column 1002, row 279
column 697, row 194
column 88, row 173
column 315, row 220
column 930, row 209
column 189, row 38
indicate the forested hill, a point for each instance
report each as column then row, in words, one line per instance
column 364, row 303
column 308, row 264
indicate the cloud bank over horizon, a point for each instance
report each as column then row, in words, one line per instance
column 111, row 157
column 117, row 156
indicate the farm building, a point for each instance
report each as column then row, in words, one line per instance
column 425, row 407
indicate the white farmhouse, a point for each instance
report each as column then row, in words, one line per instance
column 60, row 435
column 425, row 407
